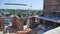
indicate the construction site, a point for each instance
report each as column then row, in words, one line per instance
column 49, row 23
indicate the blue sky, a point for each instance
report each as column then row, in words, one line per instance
column 36, row 4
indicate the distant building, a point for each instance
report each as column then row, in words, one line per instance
column 6, row 13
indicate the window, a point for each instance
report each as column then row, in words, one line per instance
column 47, row 1
column 53, row 8
column 54, row 1
column 47, row 8
column 58, row 14
column 58, row 8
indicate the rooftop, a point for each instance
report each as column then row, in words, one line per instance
column 53, row 19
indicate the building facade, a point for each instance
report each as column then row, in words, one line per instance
column 52, row 8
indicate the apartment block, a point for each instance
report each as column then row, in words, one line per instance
column 52, row 8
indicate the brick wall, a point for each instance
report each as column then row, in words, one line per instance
column 1, row 22
column 32, row 22
column 51, row 6
column 18, row 23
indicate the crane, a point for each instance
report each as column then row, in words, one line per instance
column 15, row 4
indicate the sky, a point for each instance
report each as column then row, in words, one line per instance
column 31, row 4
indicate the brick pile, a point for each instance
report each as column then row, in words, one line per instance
column 27, row 31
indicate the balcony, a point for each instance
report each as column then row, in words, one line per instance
column 55, row 3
